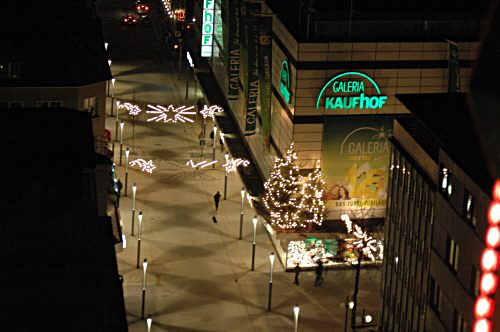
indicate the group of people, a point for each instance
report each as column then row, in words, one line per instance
column 318, row 280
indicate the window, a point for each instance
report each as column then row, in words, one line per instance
column 474, row 281
column 436, row 296
column 459, row 323
column 453, row 253
column 468, row 206
column 446, row 185
column 11, row 104
column 90, row 105
column 53, row 103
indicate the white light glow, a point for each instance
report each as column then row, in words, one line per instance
column 146, row 166
column 232, row 164
column 210, row 111
column 131, row 108
column 179, row 113
column 201, row 164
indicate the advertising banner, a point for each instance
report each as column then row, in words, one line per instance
column 234, row 50
column 252, row 82
column 265, row 70
column 356, row 154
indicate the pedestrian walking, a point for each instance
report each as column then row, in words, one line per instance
column 297, row 270
column 319, row 274
column 221, row 143
column 119, row 187
column 216, row 200
column 212, row 137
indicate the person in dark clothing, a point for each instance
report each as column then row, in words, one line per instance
column 319, row 274
column 221, row 142
column 216, row 200
column 119, row 187
column 297, row 270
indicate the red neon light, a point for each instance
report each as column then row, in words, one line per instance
column 484, row 306
column 493, row 237
column 489, row 260
column 489, row 283
column 482, row 325
column 494, row 213
column 496, row 190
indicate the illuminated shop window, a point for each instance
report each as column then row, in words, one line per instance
column 446, row 185
column 468, row 207
column 453, row 253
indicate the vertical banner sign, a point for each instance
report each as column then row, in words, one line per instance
column 218, row 44
column 243, row 43
column 453, row 67
column 265, row 70
column 355, row 164
column 207, row 28
column 252, row 75
column 234, row 50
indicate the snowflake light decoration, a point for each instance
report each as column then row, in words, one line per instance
column 131, row 108
column 363, row 241
column 209, row 111
column 201, row 164
column 147, row 166
column 231, row 164
column 179, row 113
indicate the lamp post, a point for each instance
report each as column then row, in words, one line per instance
column 296, row 310
column 116, row 124
column 271, row 261
column 254, row 221
column 213, row 143
column 149, row 321
column 139, row 238
column 127, row 153
column 226, row 156
column 134, row 189
column 112, row 94
column 145, row 267
column 241, row 212
column 348, row 305
column 122, row 124
column 106, row 46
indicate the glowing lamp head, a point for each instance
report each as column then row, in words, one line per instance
column 254, row 221
column 127, row 152
column 488, row 283
column 145, row 264
column 122, row 124
column 271, row 258
column 368, row 319
column 482, row 325
column 134, row 188
column 149, row 321
column 494, row 213
column 484, row 307
column 106, row 46
column 140, row 216
column 489, row 260
column 113, row 80
column 242, row 193
column 296, row 310
column 493, row 237
column 109, row 60
column 351, row 305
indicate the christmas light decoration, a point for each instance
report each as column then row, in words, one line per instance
column 131, row 108
column 201, row 164
column 282, row 192
column 312, row 205
column 364, row 242
column 210, row 111
column 179, row 113
column 231, row 164
column 167, row 5
column 147, row 166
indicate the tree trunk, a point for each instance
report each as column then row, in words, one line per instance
column 355, row 294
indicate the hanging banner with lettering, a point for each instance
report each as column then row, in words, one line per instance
column 265, row 62
column 252, row 76
column 355, row 165
column 246, row 8
column 207, row 28
column 233, row 65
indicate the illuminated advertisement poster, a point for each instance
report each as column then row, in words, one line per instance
column 207, row 28
column 355, row 164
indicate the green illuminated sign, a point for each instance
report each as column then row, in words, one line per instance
column 285, row 81
column 350, row 93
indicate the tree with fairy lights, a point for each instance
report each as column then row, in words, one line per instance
column 312, row 204
column 282, row 192
column 363, row 246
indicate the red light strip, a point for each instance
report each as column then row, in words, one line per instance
column 490, row 259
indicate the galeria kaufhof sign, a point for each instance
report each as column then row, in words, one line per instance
column 346, row 91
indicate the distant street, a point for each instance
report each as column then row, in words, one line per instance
column 198, row 276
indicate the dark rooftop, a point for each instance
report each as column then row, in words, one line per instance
column 378, row 21
column 51, row 43
column 445, row 121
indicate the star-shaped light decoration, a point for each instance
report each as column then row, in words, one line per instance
column 209, row 111
column 363, row 241
column 131, row 108
column 201, row 164
column 176, row 114
column 231, row 164
column 146, row 166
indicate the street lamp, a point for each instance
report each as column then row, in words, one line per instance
column 127, row 153
column 139, row 238
column 226, row 156
column 348, row 305
column 112, row 94
column 122, row 124
column 271, row 262
column 134, row 189
column 254, row 221
column 241, row 212
column 145, row 267
column 149, row 321
column 109, row 62
column 106, row 46
column 296, row 310
column 215, row 138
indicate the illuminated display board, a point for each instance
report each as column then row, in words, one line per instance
column 207, row 29
column 347, row 91
column 285, row 81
